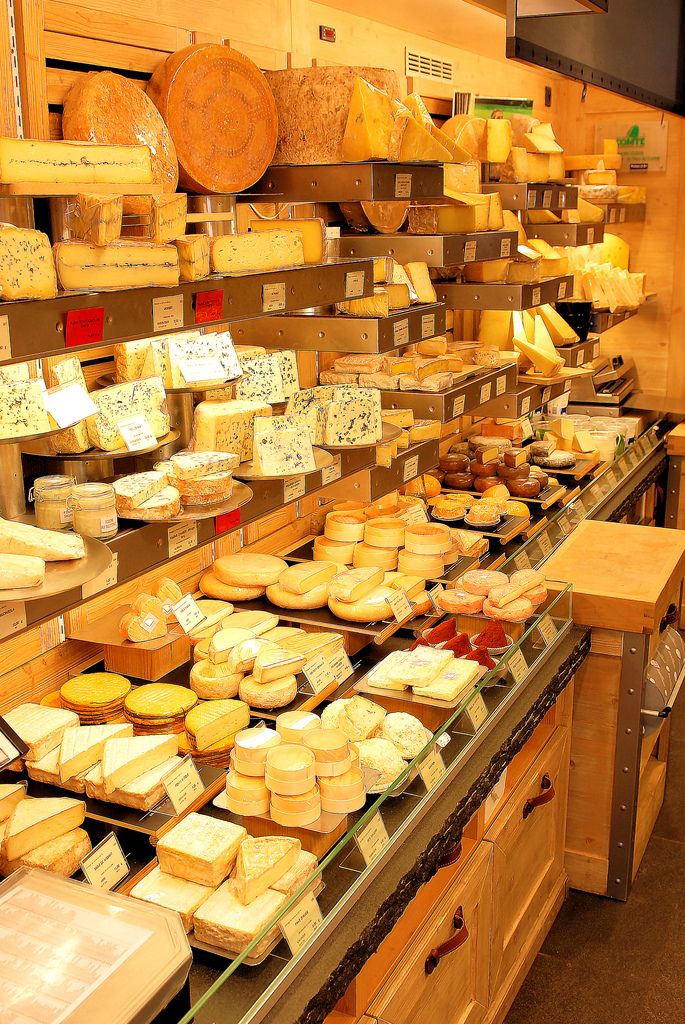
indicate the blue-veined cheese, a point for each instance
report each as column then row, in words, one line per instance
column 287, row 363
column 226, row 426
column 195, row 465
column 73, row 439
column 131, row 491
column 121, row 402
column 164, row 505
column 22, row 409
column 252, row 252
column 123, row 264
column 129, row 360
column 23, row 160
column 281, row 446
column 193, row 256
column 355, row 419
column 27, row 269
column 262, row 380
column 95, row 218
column 10, row 373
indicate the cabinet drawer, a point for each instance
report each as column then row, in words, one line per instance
column 528, row 853
column 445, row 973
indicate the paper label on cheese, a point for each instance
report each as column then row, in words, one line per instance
column 202, row 368
column 341, row 666
column 183, row 784
column 167, row 313
column 188, row 613
column 149, row 623
column 299, row 924
column 69, row 404
column 372, row 839
column 410, row 470
column 181, row 537
column 137, row 433
column 106, row 865
column 12, row 617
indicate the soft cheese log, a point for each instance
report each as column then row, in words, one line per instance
column 94, row 218
column 35, row 822
column 27, row 269
column 23, row 160
column 119, row 265
column 21, row 571
column 50, row 545
column 255, row 251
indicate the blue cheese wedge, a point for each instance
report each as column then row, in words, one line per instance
column 262, row 380
column 226, row 426
column 282, row 446
column 123, row 401
column 287, row 364
column 22, row 409
column 27, row 270
column 195, row 465
column 131, row 491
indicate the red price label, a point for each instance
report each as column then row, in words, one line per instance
column 227, row 521
column 209, row 306
column 85, row 326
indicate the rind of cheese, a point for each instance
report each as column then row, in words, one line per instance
column 125, row 759
column 81, row 748
column 23, row 160
column 262, row 861
column 36, row 822
column 169, row 214
column 200, row 848
column 224, row 921
column 193, row 256
column 50, row 545
column 123, row 264
column 10, row 795
column 255, row 252
column 227, row 426
column 131, row 491
column 282, row 446
column 95, row 218
column 173, row 893
column 122, row 401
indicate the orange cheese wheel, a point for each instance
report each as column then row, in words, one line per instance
column 221, row 115
column 108, row 108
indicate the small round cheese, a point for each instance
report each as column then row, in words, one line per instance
column 268, row 695
column 244, row 569
column 212, row 586
column 282, row 598
column 211, row 682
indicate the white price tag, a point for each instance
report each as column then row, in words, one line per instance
column 333, row 472
column 104, row 581
column 500, row 385
column 470, row 251
column 410, row 469
column 432, row 768
column 612, row 214
column 372, row 839
column 188, row 613
column 167, row 313
column 561, row 291
column 202, row 369
column 341, row 666
column 12, row 617
column 293, row 489
column 590, row 236
column 547, row 630
column 518, row 666
column 485, row 393
column 300, row 923
column 319, row 673
column 546, row 396
column 428, row 325
column 532, row 199
column 106, row 865
column 495, row 795
column 458, row 407
column 414, row 514
column 402, row 607
column 69, row 404
column 400, row 333
column 477, row 711
column 522, row 561
column 545, row 544
column 547, row 199
column 435, row 595
column 505, row 247
column 622, row 215
column 402, row 186
column 5, row 347
column 354, row 284
column 182, row 537
column 525, row 408
column 136, row 433
column 580, row 507
column 536, row 297
column 183, row 784
column 149, row 623
column 273, row 297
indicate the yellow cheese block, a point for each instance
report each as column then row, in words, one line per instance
column 419, row 276
column 587, row 212
column 494, row 328
column 431, row 220
column 495, row 212
column 538, row 167
column 255, row 251
column 487, row 272
column 615, row 251
column 498, row 139
column 23, row 160
column 560, row 332
column 411, row 141
column 542, row 362
column 541, row 217
column 369, row 123
column 512, row 223
column 123, row 264
column 193, row 256
column 95, row 218
column 541, row 143
column 463, row 177
column 311, row 231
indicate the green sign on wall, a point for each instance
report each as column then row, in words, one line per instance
column 642, row 144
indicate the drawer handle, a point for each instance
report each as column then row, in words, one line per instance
column 670, row 618
column 436, row 955
column 547, row 794
column 451, row 857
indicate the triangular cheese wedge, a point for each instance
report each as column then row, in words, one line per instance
column 560, row 332
column 528, row 326
column 542, row 363
column 369, row 123
column 10, row 795
column 35, row 822
column 125, row 759
column 543, row 342
column 82, row 748
column 411, row 141
column 261, row 862
column 41, row 728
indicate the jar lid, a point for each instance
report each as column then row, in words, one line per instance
column 52, row 487
column 92, row 495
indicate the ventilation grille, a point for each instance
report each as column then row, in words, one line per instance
column 423, row 65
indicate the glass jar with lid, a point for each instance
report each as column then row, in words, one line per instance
column 95, row 510
column 51, row 499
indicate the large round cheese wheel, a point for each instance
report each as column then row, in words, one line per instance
column 386, row 216
column 108, row 108
column 221, row 115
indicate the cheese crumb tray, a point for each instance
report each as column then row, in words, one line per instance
column 61, row 577
column 97, row 454
column 248, row 471
column 390, row 433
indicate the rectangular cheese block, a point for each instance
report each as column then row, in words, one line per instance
column 132, row 491
column 195, row 465
column 311, row 232
column 227, row 426
column 200, row 848
column 224, row 920
column 35, row 822
column 261, row 862
column 193, row 256
column 10, row 795
column 262, row 380
column 60, row 856
column 169, row 213
column 125, row 759
column 173, row 893
column 377, row 304
column 94, row 218
column 122, row 401
column 282, row 446
column 47, row 770
column 22, row 409
column 216, row 721
column 82, row 748
column 255, row 251
column 431, row 220
column 353, row 417
column 123, row 264
column 50, row 545
column 457, row 677
column 129, row 359
column 27, row 160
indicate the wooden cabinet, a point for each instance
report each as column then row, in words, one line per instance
column 444, row 974
column 528, row 855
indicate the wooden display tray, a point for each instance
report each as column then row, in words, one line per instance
column 431, row 713
column 317, row 838
column 149, row 660
column 565, row 373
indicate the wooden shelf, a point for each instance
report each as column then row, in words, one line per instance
column 435, row 250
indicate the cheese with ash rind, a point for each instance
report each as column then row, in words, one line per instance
column 95, row 218
column 122, row 264
column 23, row 160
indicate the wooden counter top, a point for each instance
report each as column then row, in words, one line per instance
column 623, row 576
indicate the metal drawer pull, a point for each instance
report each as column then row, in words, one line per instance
column 451, row 857
column 670, row 618
column 547, row 794
column 436, row 955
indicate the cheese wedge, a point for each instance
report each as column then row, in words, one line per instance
column 306, row 576
column 125, row 759
column 498, row 139
column 201, row 849
column 458, row 677
column 216, row 720
column 543, row 341
column 41, row 728
column 419, row 276
column 275, row 663
column 46, row 770
column 261, row 862
column 35, row 822
column 369, row 123
column 50, row 545
column 82, row 748
column 410, row 140
column 173, row 893
column 560, row 332
column 10, row 795
column 311, row 232
column 355, row 584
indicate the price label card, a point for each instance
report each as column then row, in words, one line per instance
column 354, row 284
column 202, row 368
column 531, row 199
column 300, row 923
column 590, row 236
column 565, row 525
column 188, row 613
column 495, row 795
column 545, row 544
column 293, row 488
column 167, row 313
column 522, row 561
column 372, row 839
column 84, row 326
column 622, row 215
column 11, row 745
column 547, row 630
column 610, row 320
column 432, row 768
column 547, row 199
column 612, row 214
column 400, row 333
column 477, row 711
column 273, row 297
column 319, row 673
column 518, row 666
column 209, row 306
column 183, row 784
column 402, row 186
column 470, row 251
column 435, row 595
column 402, row 607
column 414, row 515
column 181, row 537
column 633, row 458
column 5, row 346
column 505, row 247
column 104, row 581
column 546, row 396
column 595, row 350
column 458, row 407
column 136, row 433
column 341, row 666
column 410, row 469
column 500, row 385
column 12, row 617
column 536, row 297
column 428, row 325
column 106, row 865
column 561, row 291
column 526, row 428
column 485, row 392
column 69, row 404
column 333, row 472
column 580, row 358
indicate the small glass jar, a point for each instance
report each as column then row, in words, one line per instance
column 95, row 510
column 51, row 501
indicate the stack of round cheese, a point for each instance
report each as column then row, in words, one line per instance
column 510, row 599
column 96, row 697
column 211, row 727
column 242, row 577
column 158, row 708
